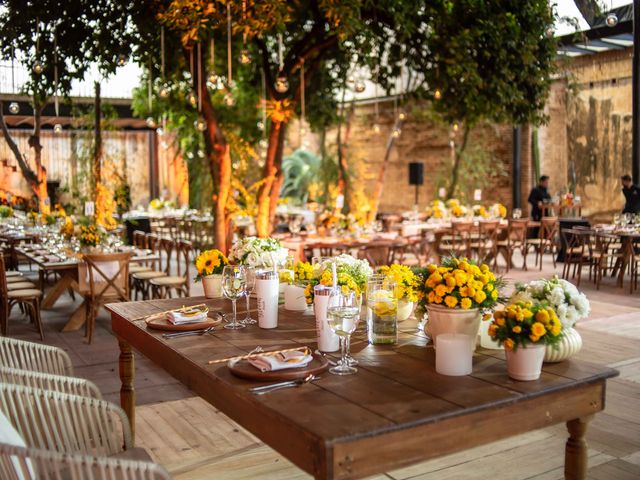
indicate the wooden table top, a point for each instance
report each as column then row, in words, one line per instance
column 72, row 262
column 395, row 411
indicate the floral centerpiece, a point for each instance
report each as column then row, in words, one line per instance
column 456, row 293
column 456, row 209
column 210, row 264
column 295, row 293
column 407, row 285
column 67, row 229
column 259, row 253
column 90, row 235
column 525, row 328
column 497, row 210
column 351, row 273
column 437, row 209
column 569, row 304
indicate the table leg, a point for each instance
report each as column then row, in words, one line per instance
column 77, row 319
column 58, row 289
column 575, row 459
column 127, row 391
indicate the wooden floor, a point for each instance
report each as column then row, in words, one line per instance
column 195, row 441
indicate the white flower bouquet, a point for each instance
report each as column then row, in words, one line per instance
column 569, row 303
column 259, row 253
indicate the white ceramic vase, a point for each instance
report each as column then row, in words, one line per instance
column 212, row 285
column 568, row 346
column 405, row 309
column 525, row 363
column 294, row 298
column 452, row 320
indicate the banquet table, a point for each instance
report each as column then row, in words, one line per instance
column 394, row 412
column 12, row 240
column 298, row 245
column 67, row 269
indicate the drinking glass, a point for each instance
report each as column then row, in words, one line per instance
column 382, row 313
column 343, row 316
column 249, row 286
column 295, row 224
column 517, row 213
column 234, row 280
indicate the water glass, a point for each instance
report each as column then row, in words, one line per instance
column 343, row 316
column 234, row 280
column 517, row 213
column 249, row 286
column 382, row 313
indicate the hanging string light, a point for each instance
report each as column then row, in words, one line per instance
column 213, row 78
column 245, row 56
column 163, row 92
column 37, row 65
column 151, row 123
column 200, row 123
column 57, row 128
column 263, row 84
column 612, row 18
column 229, row 99
column 14, row 107
column 282, row 84
column 192, row 99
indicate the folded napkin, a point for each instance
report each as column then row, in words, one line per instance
column 178, row 318
column 281, row 361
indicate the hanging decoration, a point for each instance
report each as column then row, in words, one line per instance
column 262, row 124
column 376, row 109
column 213, row 78
column 14, row 107
column 282, row 84
column 37, row 65
column 151, row 123
column 122, row 60
column 437, row 94
column 163, row 92
column 192, row 98
column 229, row 100
column 303, row 130
column 359, row 85
column 57, row 128
column 245, row 56
column 612, row 18
column 200, row 123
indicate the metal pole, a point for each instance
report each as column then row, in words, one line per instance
column 635, row 82
column 516, row 173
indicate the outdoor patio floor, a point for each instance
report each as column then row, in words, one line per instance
column 193, row 440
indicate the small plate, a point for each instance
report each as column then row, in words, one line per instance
column 164, row 324
column 244, row 369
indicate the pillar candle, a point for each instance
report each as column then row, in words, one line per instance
column 454, row 355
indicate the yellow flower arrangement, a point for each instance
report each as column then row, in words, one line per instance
column 523, row 323
column 407, row 283
column 67, row 228
column 459, row 283
column 210, row 262
column 302, row 273
column 90, row 235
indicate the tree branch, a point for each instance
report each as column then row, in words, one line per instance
column 29, row 174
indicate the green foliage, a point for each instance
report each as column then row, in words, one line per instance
column 301, row 172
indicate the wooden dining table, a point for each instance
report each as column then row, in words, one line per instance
column 394, row 412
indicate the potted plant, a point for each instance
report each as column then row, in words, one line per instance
column 406, row 292
column 351, row 273
column 260, row 253
column 570, row 306
column 294, row 292
column 525, row 329
column 455, row 294
column 89, row 235
column 209, row 265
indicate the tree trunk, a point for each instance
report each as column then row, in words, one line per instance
column 271, row 167
column 29, row 175
column 274, row 196
column 41, row 171
column 97, row 152
column 379, row 185
column 455, row 173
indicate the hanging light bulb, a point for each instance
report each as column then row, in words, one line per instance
column 57, row 128
column 151, row 123
column 376, row 128
column 14, row 107
column 229, row 100
column 122, row 60
column 160, row 131
column 192, row 98
column 263, row 143
column 37, row 67
column 213, row 79
column 359, row 86
column 303, row 131
column 612, row 19
column 164, row 91
column 282, row 84
column 200, row 124
column 396, row 133
column 164, row 145
column 260, row 125
column 437, row 94
column 549, row 32
column 402, row 115
column 245, row 56
column 455, row 127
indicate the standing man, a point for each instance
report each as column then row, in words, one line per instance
column 538, row 196
column 631, row 194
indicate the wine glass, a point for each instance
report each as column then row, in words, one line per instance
column 250, row 284
column 343, row 316
column 295, row 225
column 517, row 213
column 234, row 280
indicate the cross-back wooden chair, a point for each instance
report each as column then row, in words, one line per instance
column 605, row 254
column 515, row 240
column 578, row 252
column 485, row 248
column 162, row 287
column 26, row 296
column 376, row 253
column 140, row 280
column 458, row 242
column 546, row 240
column 103, row 278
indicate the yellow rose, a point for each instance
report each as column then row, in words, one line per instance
column 527, row 314
column 451, row 281
column 538, row 329
column 484, row 267
column 437, row 299
column 489, row 287
column 508, row 344
column 431, row 297
column 465, row 303
column 451, row 301
column 461, row 277
column 464, row 291
column 432, row 268
column 494, row 295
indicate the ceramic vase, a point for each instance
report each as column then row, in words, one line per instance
column 452, row 320
column 212, row 285
column 525, row 363
column 568, row 346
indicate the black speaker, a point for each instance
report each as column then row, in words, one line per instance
column 416, row 173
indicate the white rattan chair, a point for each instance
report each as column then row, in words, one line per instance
column 34, row 357
column 47, row 381
column 65, row 423
column 18, row 463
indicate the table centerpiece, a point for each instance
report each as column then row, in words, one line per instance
column 406, row 291
column 210, row 264
column 259, row 253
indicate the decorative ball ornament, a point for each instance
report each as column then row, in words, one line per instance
column 151, row 123
column 200, row 124
column 282, row 84
column 160, row 131
column 164, row 91
column 396, row 133
column 455, row 127
column 263, row 143
column 14, row 108
column 122, row 60
column 402, row 115
column 437, row 94
column 612, row 20
column 260, row 125
column 192, row 99
column 245, row 56
column 37, row 67
column 549, row 32
column 376, row 128
column 229, row 100
column 57, row 128
column 359, row 86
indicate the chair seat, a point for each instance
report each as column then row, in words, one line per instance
column 16, row 279
column 534, row 241
column 148, row 275
column 166, row 281
column 139, row 269
column 13, row 273
column 26, row 293
column 19, row 286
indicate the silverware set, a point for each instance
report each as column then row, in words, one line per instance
column 280, row 385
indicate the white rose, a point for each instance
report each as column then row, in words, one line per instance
column 556, row 296
column 253, row 260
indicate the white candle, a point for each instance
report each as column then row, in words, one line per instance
column 454, row 355
column 294, row 298
column 267, row 290
column 328, row 341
